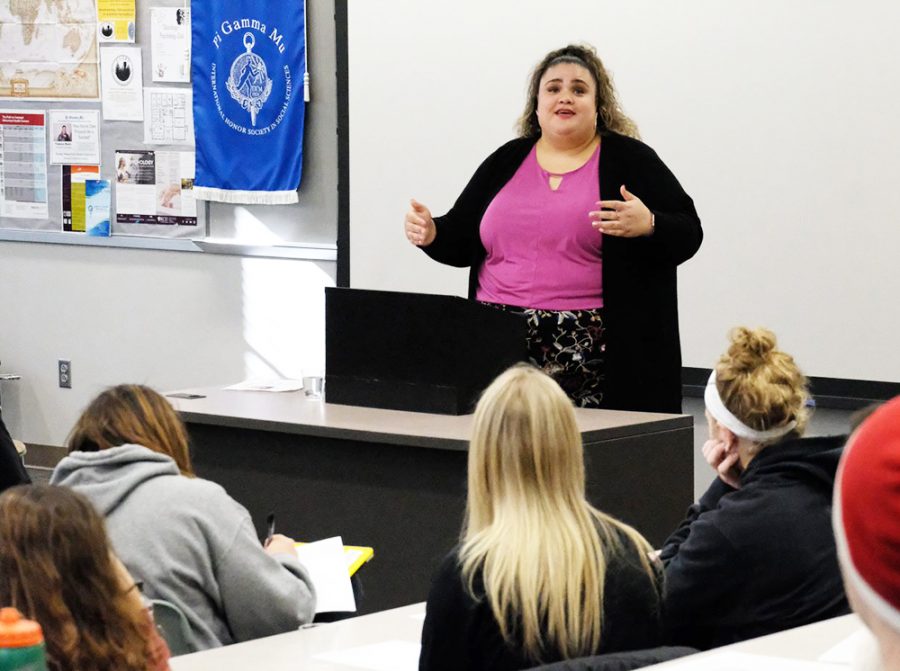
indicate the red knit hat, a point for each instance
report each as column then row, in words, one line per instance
column 867, row 512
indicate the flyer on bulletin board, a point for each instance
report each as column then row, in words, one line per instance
column 23, row 164
column 74, row 212
column 115, row 20
column 170, row 44
column 123, row 83
column 168, row 116
column 155, row 187
column 97, row 204
column 74, row 137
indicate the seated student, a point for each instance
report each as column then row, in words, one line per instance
column 12, row 471
column 540, row 574
column 184, row 537
column 867, row 528
column 756, row 554
column 57, row 567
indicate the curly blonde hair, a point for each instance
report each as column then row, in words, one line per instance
column 761, row 385
column 610, row 116
column 57, row 567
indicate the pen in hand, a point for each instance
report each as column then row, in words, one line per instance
column 270, row 528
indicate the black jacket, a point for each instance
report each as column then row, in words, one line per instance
column 643, row 368
column 756, row 560
column 12, row 472
column 461, row 632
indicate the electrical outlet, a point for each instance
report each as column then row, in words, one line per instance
column 64, row 369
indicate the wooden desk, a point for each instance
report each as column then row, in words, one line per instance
column 396, row 480
column 299, row 650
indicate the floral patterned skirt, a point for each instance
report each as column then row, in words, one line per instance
column 568, row 345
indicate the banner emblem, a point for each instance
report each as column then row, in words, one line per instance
column 249, row 83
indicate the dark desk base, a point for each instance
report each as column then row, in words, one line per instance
column 408, row 502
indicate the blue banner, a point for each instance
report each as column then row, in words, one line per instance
column 247, row 65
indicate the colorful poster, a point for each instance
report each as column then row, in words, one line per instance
column 115, row 20
column 74, row 216
column 23, row 164
column 97, row 200
column 74, row 137
column 170, row 44
column 168, row 117
column 120, row 71
column 155, row 187
column 48, row 50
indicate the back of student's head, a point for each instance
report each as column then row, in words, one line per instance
column 530, row 536
column 57, row 568
column 132, row 414
column 866, row 516
column 525, row 453
column 761, row 385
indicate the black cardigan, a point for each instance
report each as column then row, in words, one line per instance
column 461, row 633
column 643, row 368
column 756, row 560
column 12, row 472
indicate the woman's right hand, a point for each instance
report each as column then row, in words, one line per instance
column 724, row 461
column 281, row 545
column 420, row 229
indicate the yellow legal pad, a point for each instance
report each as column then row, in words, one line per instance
column 356, row 556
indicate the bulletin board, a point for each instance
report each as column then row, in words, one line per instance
column 309, row 226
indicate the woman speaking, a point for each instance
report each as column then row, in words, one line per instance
column 579, row 227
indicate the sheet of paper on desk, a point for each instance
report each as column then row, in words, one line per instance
column 852, row 648
column 325, row 562
column 384, row 656
column 267, row 385
column 742, row 661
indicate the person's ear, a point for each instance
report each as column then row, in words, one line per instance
column 727, row 436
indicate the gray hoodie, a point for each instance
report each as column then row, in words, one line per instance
column 191, row 544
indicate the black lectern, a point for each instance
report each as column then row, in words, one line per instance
column 419, row 352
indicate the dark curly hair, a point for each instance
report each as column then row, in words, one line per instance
column 610, row 116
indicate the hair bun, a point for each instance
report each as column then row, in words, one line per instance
column 750, row 348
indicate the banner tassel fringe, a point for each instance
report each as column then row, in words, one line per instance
column 245, row 197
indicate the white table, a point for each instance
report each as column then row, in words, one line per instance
column 301, row 649
column 298, row 649
column 804, row 643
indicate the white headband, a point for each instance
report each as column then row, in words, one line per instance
column 724, row 417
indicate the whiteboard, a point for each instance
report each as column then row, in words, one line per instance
column 779, row 118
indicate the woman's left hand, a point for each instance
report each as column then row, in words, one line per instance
column 725, row 461
column 627, row 218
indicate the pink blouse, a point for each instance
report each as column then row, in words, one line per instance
column 542, row 251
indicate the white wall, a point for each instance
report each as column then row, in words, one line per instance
column 166, row 319
column 779, row 118
column 172, row 319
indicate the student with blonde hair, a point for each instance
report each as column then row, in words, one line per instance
column 540, row 575
column 57, row 567
column 756, row 554
column 188, row 541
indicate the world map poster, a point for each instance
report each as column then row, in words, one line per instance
column 48, row 50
